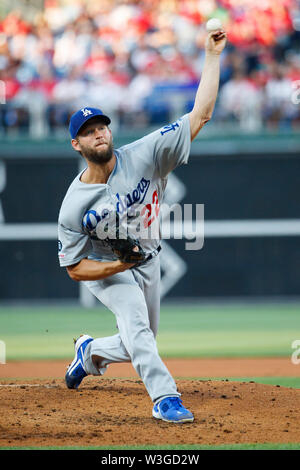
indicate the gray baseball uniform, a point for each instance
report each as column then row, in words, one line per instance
column 138, row 178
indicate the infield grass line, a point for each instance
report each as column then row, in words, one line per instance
column 289, row 382
column 265, row 446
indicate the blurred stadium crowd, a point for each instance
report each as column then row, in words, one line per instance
column 141, row 61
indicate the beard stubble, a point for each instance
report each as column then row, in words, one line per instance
column 98, row 156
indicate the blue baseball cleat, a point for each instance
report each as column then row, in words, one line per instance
column 75, row 372
column 170, row 409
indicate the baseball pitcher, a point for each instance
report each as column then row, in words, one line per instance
column 118, row 264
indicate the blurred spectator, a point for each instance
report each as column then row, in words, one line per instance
column 280, row 110
column 241, row 100
column 141, row 61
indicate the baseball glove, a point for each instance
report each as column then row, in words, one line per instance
column 126, row 248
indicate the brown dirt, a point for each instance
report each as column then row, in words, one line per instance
column 111, row 411
column 230, row 367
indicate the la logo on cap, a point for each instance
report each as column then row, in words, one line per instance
column 86, row 112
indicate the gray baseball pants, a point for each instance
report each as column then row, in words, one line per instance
column 134, row 297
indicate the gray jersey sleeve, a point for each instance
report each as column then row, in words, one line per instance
column 73, row 246
column 165, row 148
column 172, row 146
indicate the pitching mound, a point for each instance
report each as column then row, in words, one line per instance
column 107, row 411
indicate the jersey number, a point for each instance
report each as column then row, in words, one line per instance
column 150, row 211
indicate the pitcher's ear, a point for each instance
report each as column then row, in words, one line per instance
column 75, row 144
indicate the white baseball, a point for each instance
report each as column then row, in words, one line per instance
column 213, row 24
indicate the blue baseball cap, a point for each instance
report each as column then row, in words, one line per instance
column 82, row 116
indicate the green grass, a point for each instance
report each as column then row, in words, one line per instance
column 289, row 382
column 292, row 382
column 185, row 331
column 267, row 446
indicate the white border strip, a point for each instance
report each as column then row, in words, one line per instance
column 212, row 229
column 28, row 231
column 249, row 228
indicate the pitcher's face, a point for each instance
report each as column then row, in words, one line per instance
column 94, row 141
